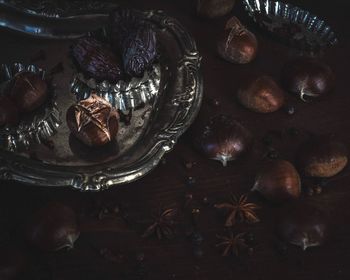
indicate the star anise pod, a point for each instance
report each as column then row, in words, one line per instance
column 234, row 244
column 163, row 225
column 240, row 209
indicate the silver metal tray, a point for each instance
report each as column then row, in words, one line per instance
column 153, row 131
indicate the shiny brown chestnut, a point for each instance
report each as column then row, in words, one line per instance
column 214, row 8
column 53, row 227
column 278, row 181
column 322, row 156
column 237, row 44
column 9, row 114
column 223, row 139
column 93, row 121
column 28, row 91
column 261, row 94
column 303, row 224
column 307, row 77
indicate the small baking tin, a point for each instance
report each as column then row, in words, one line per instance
column 122, row 95
column 38, row 126
column 291, row 24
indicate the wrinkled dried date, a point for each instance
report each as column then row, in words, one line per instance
column 97, row 60
column 136, row 39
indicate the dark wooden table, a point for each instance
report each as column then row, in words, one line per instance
column 168, row 186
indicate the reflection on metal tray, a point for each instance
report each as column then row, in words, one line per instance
column 154, row 129
column 292, row 24
column 54, row 19
column 59, row 8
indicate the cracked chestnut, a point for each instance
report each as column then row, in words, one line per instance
column 278, row 181
column 261, row 94
column 307, row 77
column 214, row 8
column 52, row 228
column 303, row 224
column 322, row 156
column 222, row 138
column 28, row 91
column 93, row 121
column 9, row 114
column 237, row 44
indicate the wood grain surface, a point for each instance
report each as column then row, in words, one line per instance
column 167, row 186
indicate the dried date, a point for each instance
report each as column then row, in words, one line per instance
column 97, row 59
column 136, row 39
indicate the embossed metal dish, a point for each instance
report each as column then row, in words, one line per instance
column 153, row 131
column 36, row 127
column 291, row 24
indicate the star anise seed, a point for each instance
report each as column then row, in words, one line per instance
column 233, row 244
column 163, row 225
column 240, row 209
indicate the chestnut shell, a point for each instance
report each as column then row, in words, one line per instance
column 303, row 224
column 222, row 138
column 278, row 181
column 322, row 156
column 214, row 8
column 53, row 227
column 93, row 121
column 28, row 91
column 307, row 77
column 237, row 44
column 261, row 94
column 13, row 263
column 9, row 114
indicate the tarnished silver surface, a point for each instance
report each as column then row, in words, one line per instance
column 30, row 23
column 122, row 95
column 35, row 127
column 293, row 24
column 59, row 8
column 154, row 129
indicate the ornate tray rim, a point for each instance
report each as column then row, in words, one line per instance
column 16, row 168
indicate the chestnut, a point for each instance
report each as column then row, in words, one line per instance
column 13, row 263
column 307, row 77
column 237, row 44
column 53, row 227
column 261, row 94
column 93, row 121
column 303, row 224
column 28, row 91
column 322, row 156
column 278, row 181
column 9, row 114
column 222, row 138
column 214, row 8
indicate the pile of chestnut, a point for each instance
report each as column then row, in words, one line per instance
column 279, row 181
